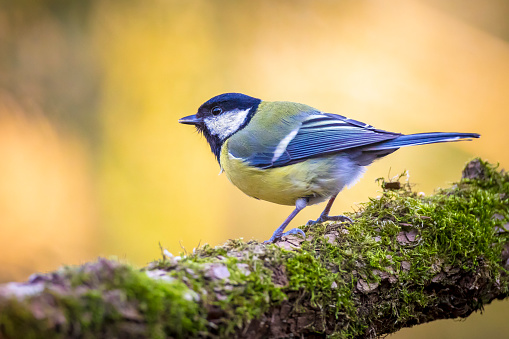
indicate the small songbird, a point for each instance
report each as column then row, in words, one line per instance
column 293, row 154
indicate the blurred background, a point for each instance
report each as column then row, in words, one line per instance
column 93, row 161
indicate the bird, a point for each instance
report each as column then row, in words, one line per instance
column 293, row 154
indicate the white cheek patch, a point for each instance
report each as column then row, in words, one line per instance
column 227, row 123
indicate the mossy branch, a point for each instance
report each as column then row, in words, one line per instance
column 406, row 259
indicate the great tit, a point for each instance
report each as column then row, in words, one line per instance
column 293, row 154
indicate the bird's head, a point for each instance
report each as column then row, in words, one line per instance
column 222, row 116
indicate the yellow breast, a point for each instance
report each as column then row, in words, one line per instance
column 283, row 185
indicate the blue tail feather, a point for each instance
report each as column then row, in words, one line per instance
column 420, row 139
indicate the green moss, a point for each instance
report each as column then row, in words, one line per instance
column 455, row 227
column 18, row 322
column 396, row 246
column 247, row 292
column 110, row 292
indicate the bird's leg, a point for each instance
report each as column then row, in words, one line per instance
column 299, row 205
column 325, row 214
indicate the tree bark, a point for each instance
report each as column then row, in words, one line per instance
column 406, row 259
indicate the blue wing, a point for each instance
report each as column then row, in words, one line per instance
column 319, row 135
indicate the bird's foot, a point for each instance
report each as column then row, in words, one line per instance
column 324, row 218
column 277, row 236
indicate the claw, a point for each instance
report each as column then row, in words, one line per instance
column 324, row 218
column 290, row 232
column 295, row 231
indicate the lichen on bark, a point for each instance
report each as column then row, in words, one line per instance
column 406, row 259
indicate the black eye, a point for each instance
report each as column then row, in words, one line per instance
column 216, row 110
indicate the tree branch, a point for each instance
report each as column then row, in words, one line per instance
column 406, row 259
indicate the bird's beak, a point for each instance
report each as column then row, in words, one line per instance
column 191, row 120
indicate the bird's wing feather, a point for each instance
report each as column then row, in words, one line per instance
column 319, row 135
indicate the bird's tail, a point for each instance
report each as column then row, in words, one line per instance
column 420, row 139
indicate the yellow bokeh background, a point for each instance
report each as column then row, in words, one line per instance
column 93, row 161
